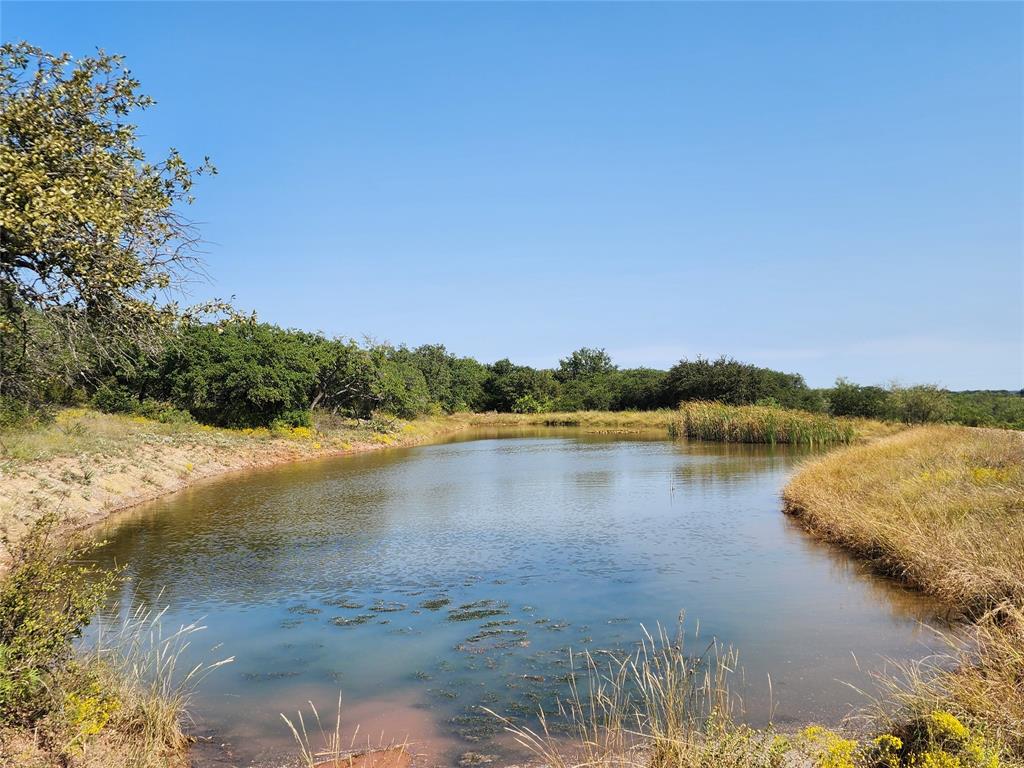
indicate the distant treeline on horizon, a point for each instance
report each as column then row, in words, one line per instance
column 244, row 373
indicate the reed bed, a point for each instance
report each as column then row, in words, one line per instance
column 700, row 420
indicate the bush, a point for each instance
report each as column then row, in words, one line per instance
column 46, row 600
column 16, row 413
column 164, row 412
column 114, row 398
column 921, row 404
column 848, row 399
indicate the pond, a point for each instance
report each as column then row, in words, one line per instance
column 427, row 583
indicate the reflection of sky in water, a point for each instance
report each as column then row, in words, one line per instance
column 318, row 576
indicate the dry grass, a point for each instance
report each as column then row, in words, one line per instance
column 139, row 664
column 939, row 507
column 324, row 747
column 662, row 707
column 122, row 704
column 603, row 421
column 980, row 680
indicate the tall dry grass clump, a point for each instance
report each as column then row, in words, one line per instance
column 701, row 420
column 660, row 707
column 939, row 507
column 978, row 680
column 139, row 666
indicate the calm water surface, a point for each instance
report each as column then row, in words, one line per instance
column 430, row 582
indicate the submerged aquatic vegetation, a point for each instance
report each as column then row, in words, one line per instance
column 480, row 609
column 352, row 621
column 435, row 603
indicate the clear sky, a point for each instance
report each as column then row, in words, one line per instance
column 834, row 189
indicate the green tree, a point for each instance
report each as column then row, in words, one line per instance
column 508, row 384
column 730, row 381
column 849, row 399
column 468, row 379
column 583, row 363
column 920, row 404
column 241, row 374
column 92, row 241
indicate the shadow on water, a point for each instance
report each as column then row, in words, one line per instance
column 428, row 583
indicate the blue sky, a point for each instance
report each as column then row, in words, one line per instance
column 834, row 189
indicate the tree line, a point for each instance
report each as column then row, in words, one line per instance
column 94, row 247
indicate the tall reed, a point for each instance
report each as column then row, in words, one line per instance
column 702, row 420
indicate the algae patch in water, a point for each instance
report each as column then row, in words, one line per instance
column 435, row 603
column 481, row 609
column 344, row 602
column 351, row 621
column 387, row 606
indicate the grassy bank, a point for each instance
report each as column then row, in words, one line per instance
column 769, row 424
column 940, row 507
column 121, row 702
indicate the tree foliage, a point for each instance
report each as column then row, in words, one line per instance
column 729, row 381
column 92, row 243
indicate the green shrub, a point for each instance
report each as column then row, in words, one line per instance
column 46, row 600
column 162, row 411
column 240, row 375
column 849, row 399
column 114, row 398
column 920, row 404
column 15, row 413
column 288, row 419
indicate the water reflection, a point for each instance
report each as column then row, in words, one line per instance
column 457, row 576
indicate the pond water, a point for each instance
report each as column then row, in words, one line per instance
column 427, row 583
